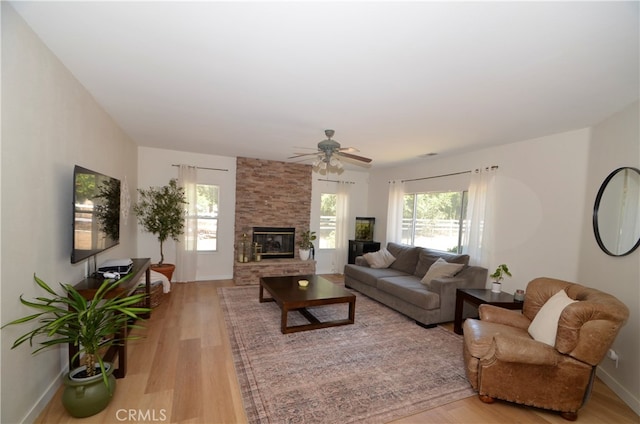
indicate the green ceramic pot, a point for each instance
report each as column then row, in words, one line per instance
column 83, row 397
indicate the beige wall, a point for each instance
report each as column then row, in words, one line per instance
column 614, row 143
column 539, row 199
column 49, row 124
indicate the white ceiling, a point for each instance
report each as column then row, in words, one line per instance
column 396, row 80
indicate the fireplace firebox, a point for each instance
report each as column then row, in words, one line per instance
column 276, row 242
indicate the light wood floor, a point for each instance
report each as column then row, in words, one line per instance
column 183, row 372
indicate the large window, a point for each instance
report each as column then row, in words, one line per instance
column 207, row 216
column 434, row 220
column 327, row 234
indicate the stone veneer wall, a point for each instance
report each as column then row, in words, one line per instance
column 271, row 194
column 250, row 273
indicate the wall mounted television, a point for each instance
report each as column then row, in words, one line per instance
column 96, row 213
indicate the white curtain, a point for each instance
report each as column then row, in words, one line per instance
column 478, row 237
column 187, row 254
column 394, row 211
column 341, row 252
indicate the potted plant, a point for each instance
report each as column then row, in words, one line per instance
column 160, row 211
column 497, row 276
column 306, row 244
column 91, row 326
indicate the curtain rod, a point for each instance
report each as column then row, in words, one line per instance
column 492, row 167
column 336, row 181
column 209, row 169
column 437, row 176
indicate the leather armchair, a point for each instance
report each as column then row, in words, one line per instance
column 502, row 361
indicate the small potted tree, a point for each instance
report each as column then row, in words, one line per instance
column 498, row 276
column 306, row 244
column 160, row 211
column 91, row 326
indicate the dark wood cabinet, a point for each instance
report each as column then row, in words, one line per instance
column 359, row 248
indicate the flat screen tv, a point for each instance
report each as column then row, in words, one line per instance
column 96, row 213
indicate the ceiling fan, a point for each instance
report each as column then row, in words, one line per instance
column 328, row 150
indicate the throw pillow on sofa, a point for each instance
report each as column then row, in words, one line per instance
column 440, row 269
column 380, row 259
column 428, row 257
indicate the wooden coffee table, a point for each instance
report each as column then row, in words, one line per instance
column 289, row 296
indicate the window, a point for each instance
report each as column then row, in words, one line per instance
column 327, row 234
column 434, row 220
column 207, row 216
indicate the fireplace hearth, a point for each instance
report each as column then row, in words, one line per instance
column 276, row 242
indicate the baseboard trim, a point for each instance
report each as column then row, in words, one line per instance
column 618, row 389
column 215, row 277
column 46, row 397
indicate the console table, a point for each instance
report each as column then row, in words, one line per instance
column 479, row 296
column 87, row 289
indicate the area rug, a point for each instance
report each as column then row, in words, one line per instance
column 381, row 368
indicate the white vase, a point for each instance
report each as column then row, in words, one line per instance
column 496, row 287
column 304, row 254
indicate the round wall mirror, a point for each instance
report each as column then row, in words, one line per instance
column 616, row 213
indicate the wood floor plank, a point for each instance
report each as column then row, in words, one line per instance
column 184, row 368
column 188, row 384
column 164, row 357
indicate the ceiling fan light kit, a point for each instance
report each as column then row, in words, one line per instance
column 328, row 155
column 324, row 164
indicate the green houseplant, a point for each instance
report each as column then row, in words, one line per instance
column 160, row 211
column 498, row 276
column 92, row 327
column 306, row 244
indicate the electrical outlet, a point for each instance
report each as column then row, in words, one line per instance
column 613, row 356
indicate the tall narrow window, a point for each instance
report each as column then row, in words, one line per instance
column 434, row 220
column 207, row 217
column 327, row 233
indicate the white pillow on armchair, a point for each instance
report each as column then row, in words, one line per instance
column 544, row 326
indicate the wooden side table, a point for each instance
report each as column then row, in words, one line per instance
column 477, row 297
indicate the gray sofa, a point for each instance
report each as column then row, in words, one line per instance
column 399, row 286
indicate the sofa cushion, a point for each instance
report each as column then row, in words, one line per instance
column 380, row 259
column 440, row 269
column 406, row 257
column 409, row 289
column 369, row 276
column 427, row 257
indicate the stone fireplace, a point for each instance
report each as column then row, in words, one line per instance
column 272, row 194
column 276, row 242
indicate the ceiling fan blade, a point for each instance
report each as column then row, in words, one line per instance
column 300, row 159
column 298, row 155
column 348, row 149
column 355, row 157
